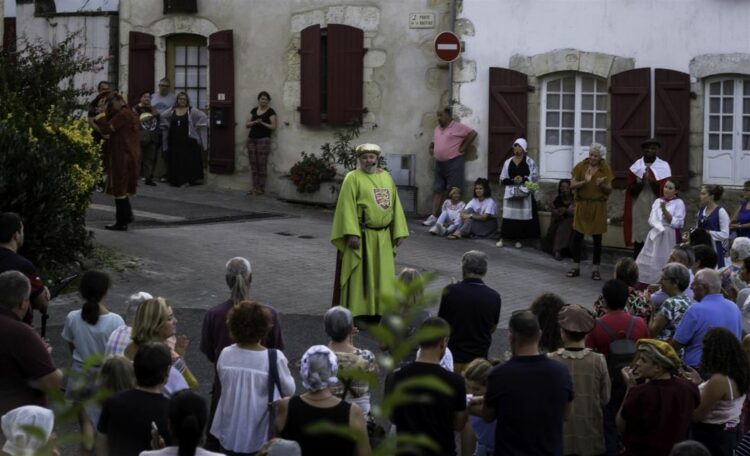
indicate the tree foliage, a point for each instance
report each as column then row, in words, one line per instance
column 49, row 163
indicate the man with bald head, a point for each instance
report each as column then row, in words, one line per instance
column 711, row 310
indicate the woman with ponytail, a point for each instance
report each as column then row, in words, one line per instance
column 86, row 331
column 187, row 413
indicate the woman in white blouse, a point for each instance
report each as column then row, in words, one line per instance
column 666, row 219
column 242, row 415
column 479, row 218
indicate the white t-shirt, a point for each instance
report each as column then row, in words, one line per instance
column 482, row 207
column 241, row 420
column 89, row 339
column 453, row 210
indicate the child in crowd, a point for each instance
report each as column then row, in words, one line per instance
column 450, row 215
column 478, row 437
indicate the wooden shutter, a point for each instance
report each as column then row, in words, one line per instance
column 672, row 120
column 141, row 49
column 9, row 33
column 221, row 101
column 631, row 119
column 309, row 51
column 344, row 70
column 508, row 114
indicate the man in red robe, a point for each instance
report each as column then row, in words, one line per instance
column 646, row 179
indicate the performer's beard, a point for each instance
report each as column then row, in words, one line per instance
column 649, row 160
column 370, row 167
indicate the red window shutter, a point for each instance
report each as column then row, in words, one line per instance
column 9, row 33
column 140, row 65
column 345, row 59
column 309, row 108
column 672, row 120
column 221, row 101
column 631, row 119
column 508, row 115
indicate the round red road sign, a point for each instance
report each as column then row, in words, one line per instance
column 447, row 46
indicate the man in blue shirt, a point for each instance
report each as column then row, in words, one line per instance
column 711, row 310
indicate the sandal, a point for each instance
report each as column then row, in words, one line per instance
column 595, row 275
column 452, row 237
column 575, row 272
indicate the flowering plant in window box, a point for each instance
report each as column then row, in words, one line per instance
column 310, row 171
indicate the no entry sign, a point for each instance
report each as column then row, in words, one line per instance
column 447, row 46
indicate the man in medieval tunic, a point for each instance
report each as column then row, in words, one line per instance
column 122, row 158
column 646, row 179
column 368, row 225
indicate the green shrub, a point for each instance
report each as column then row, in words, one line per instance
column 49, row 163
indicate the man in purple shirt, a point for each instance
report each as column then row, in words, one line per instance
column 215, row 333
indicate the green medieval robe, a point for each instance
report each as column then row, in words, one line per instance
column 374, row 199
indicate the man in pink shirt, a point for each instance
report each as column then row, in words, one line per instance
column 450, row 141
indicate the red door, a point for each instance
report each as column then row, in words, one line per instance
column 508, row 114
column 221, row 102
column 672, row 120
column 631, row 119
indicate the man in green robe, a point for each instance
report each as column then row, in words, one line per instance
column 368, row 225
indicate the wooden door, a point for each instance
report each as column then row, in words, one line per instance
column 508, row 99
column 221, row 101
column 631, row 119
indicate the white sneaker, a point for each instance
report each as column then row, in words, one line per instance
column 440, row 229
column 430, row 220
column 434, row 229
column 518, row 245
column 499, row 243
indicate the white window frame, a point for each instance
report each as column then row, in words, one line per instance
column 575, row 152
column 727, row 166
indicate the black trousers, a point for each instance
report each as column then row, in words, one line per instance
column 578, row 246
column 123, row 211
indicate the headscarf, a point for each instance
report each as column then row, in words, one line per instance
column 312, row 380
column 660, row 351
column 521, row 142
column 19, row 442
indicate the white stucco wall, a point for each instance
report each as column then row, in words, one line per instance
column 654, row 33
column 95, row 32
column 403, row 84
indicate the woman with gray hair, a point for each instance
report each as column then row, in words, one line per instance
column 731, row 281
column 318, row 371
column 592, row 182
column 339, row 326
column 675, row 278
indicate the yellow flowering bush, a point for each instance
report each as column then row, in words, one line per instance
column 49, row 163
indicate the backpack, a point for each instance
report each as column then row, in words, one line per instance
column 622, row 350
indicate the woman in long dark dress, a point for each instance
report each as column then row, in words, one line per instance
column 560, row 233
column 714, row 219
column 520, row 217
column 185, row 138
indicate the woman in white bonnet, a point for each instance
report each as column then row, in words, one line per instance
column 18, row 441
column 318, row 371
column 520, row 218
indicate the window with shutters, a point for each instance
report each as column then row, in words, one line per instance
column 573, row 115
column 726, row 157
column 187, row 67
column 331, row 75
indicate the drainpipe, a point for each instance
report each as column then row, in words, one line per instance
column 450, row 65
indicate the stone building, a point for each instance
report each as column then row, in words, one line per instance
column 564, row 74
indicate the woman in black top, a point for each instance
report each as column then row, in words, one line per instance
column 262, row 122
column 318, row 371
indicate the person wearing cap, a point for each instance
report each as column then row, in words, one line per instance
column 122, row 158
column 656, row 414
column 583, row 434
column 368, row 225
column 646, row 179
column 449, row 143
column 520, row 217
column 149, row 118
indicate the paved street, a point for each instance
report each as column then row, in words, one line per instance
column 183, row 237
